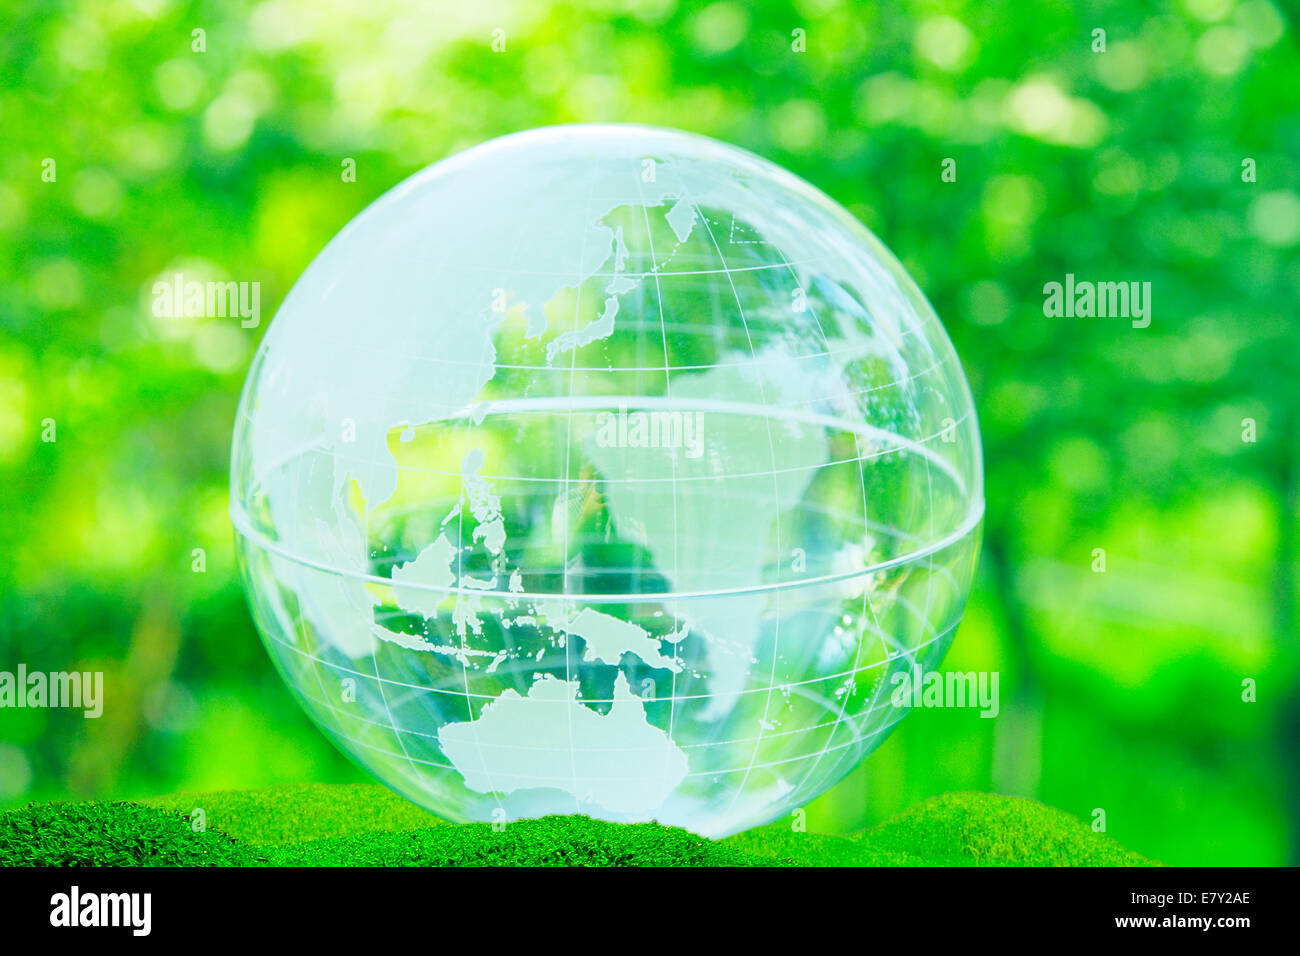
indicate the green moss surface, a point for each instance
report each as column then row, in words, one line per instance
column 550, row 841
column 982, row 829
column 367, row 825
column 112, row 834
column 297, row 813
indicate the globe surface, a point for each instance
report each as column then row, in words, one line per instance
column 609, row 470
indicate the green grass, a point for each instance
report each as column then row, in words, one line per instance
column 956, row 829
column 997, row 831
column 112, row 834
column 297, row 813
column 550, row 841
column 367, row 825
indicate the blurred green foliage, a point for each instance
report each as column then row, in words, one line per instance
column 1122, row 691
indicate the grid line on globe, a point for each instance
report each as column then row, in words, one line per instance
column 511, row 581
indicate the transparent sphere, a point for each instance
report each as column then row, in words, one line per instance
column 606, row 470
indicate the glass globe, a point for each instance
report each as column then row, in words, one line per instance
column 606, row 470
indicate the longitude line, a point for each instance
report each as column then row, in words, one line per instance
column 762, row 393
column 672, row 460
